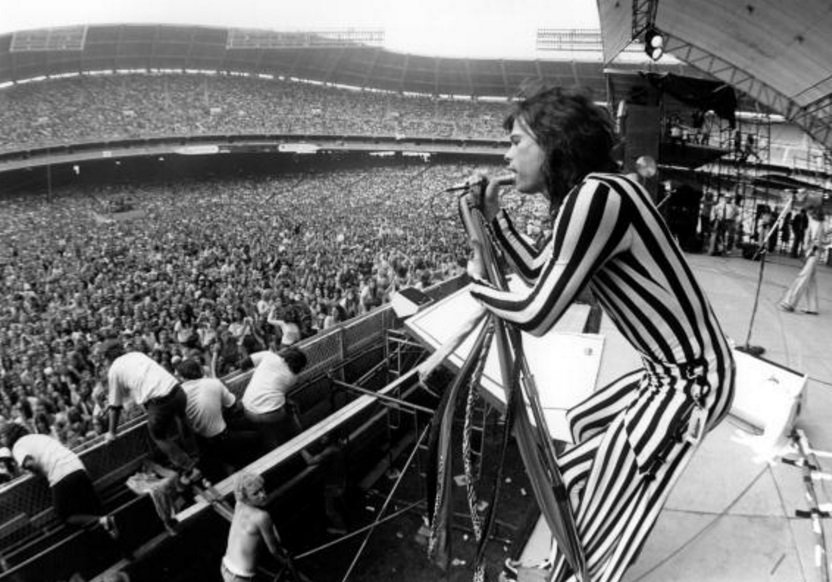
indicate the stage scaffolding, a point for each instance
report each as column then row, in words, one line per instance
column 815, row 162
column 735, row 173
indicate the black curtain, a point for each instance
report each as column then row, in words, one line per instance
column 703, row 94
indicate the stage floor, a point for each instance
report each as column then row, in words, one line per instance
column 731, row 517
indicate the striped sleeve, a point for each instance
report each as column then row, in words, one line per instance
column 590, row 227
column 526, row 259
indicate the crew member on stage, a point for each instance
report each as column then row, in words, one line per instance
column 635, row 436
column 137, row 376
column 73, row 495
column 251, row 527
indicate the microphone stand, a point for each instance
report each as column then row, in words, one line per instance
column 664, row 200
column 761, row 253
column 535, row 445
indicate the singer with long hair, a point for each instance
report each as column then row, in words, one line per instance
column 634, row 437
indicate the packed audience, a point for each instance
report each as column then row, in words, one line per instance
column 101, row 107
column 201, row 267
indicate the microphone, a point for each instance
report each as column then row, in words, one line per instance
column 504, row 180
column 457, row 188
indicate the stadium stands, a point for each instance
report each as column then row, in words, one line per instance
column 109, row 107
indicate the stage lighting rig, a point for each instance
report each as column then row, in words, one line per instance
column 654, row 42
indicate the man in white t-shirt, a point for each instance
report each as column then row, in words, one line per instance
column 208, row 398
column 264, row 400
column 73, row 495
column 136, row 376
column 222, row 450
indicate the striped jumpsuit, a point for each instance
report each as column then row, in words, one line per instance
column 634, row 437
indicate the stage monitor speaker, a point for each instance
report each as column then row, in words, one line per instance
column 564, row 362
column 409, row 301
column 767, row 402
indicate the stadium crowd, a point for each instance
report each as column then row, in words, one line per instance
column 208, row 265
column 102, row 107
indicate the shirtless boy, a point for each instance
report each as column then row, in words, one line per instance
column 251, row 525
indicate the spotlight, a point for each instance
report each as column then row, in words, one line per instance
column 654, row 44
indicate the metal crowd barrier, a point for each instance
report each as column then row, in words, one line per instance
column 25, row 503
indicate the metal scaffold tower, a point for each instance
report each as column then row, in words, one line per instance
column 815, row 161
column 406, row 428
column 748, row 157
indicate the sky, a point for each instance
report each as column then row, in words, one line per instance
column 450, row 28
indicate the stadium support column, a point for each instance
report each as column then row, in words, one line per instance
column 641, row 129
column 48, row 183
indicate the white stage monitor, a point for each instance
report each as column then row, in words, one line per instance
column 564, row 362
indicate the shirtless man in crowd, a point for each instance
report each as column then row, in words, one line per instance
column 250, row 526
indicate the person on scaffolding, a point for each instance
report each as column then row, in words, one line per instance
column 634, row 437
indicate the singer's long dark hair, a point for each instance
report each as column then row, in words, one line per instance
column 576, row 135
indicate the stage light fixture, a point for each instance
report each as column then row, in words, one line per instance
column 654, row 43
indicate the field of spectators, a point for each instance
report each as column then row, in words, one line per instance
column 209, row 263
column 101, row 107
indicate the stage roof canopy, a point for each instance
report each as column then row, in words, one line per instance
column 779, row 53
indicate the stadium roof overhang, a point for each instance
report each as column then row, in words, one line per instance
column 69, row 50
column 51, row 52
column 778, row 53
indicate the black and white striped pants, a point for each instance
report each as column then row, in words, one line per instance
column 615, row 497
